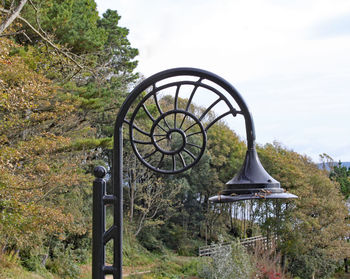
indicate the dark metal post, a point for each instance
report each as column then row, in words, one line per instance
column 346, row 265
column 118, row 208
column 251, row 174
column 98, row 223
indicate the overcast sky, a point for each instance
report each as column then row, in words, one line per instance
column 290, row 60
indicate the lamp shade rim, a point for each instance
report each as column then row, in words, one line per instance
column 252, row 189
column 253, row 196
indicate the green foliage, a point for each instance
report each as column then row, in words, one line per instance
column 74, row 23
column 52, row 135
column 313, row 265
column 228, row 262
column 310, row 233
column 180, row 240
column 57, row 111
column 150, row 239
column 226, row 151
column 171, row 267
column 341, row 174
column 64, row 262
column 88, row 143
column 121, row 53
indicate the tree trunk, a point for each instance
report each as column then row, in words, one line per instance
column 44, row 259
column 206, row 224
column 244, row 217
column 132, row 186
column 346, row 265
column 7, row 22
column 231, row 217
column 4, row 248
column 132, row 201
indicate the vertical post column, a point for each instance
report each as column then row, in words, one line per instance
column 98, row 223
column 118, row 208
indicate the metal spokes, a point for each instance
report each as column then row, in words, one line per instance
column 167, row 133
column 175, row 143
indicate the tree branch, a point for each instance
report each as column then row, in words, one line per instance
column 44, row 38
column 37, row 14
column 12, row 34
column 16, row 33
column 12, row 16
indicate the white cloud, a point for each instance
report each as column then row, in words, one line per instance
column 295, row 81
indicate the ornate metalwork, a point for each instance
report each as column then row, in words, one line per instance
column 168, row 134
column 176, row 140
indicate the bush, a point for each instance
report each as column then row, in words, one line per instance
column 176, row 238
column 149, row 238
column 314, row 264
column 172, row 267
column 268, row 262
column 228, row 262
column 64, row 262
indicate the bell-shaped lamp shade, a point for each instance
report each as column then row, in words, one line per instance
column 252, row 182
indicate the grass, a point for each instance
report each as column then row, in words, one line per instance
column 20, row 273
column 165, row 266
column 10, row 268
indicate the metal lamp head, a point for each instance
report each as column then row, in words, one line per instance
column 251, row 182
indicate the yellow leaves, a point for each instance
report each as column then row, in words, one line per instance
column 36, row 172
column 27, row 98
column 319, row 215
column 5, row 61
column 9, row 156
column 29, row 186
column 42, row 168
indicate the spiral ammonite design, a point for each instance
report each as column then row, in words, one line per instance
column 168, row 132
column 176, row 141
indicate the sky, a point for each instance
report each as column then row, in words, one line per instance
column 290, row 60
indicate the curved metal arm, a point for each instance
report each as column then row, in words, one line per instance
column 202, row 75
column 176, row 138
column 164, row 127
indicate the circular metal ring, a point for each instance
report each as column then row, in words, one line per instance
column 176, row 147
column 171, row 150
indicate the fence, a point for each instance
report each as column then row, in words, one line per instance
column 248, row 243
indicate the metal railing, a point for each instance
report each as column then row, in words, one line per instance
column 248, row 243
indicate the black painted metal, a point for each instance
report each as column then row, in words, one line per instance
column 169, row 140
column 256, row 195
column 165, row 133
column 98, row 223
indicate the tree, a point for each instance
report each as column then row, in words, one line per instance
column 341, row 175
column 58, row 100
column 314, row 224
column 36, row 170
column 12, row 15
column 118, row 53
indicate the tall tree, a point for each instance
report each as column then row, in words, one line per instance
column 341, row 174
column 36, row 170
column 52, row 134
column 313, row 226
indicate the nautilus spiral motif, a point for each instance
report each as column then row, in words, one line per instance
column 168, row 133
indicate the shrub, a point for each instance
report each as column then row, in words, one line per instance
column 267, row 261
column 64, row 262
column 226, row 263
column 314, row 264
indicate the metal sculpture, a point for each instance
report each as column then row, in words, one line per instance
column 173, row 141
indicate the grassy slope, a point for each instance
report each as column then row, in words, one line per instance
column 166, row 266
column 161, row 265
column 15, row 271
